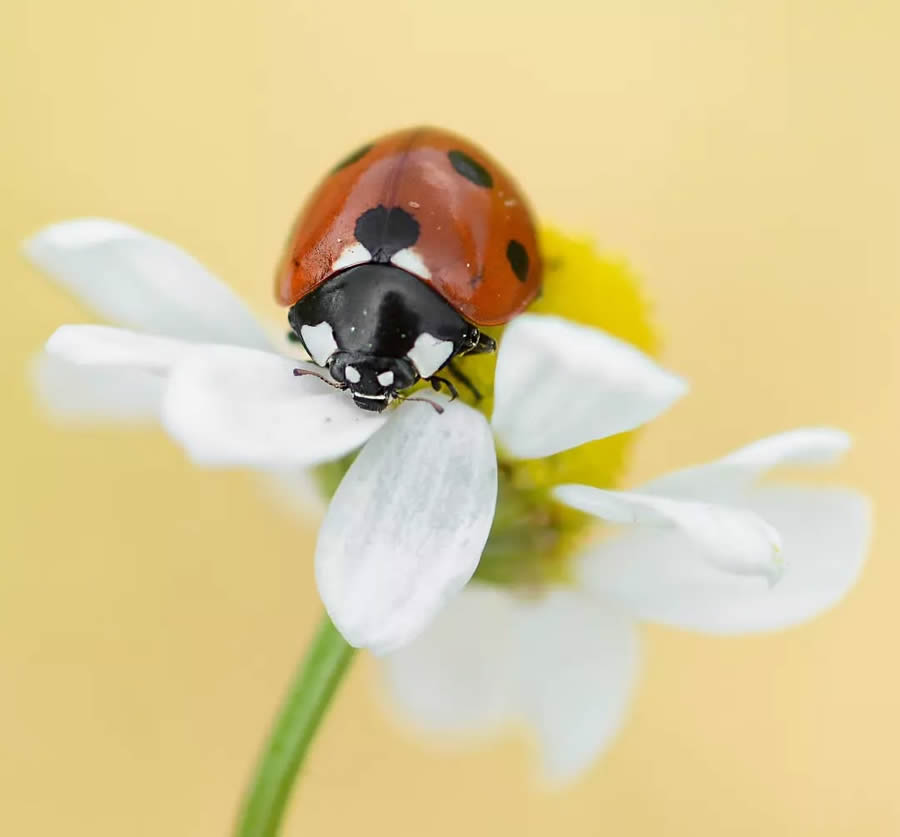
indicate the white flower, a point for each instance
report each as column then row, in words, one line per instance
column 565, row 662
column 408, row 523
column 709, row 548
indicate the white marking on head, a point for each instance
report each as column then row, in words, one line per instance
column 381, row 397
column 412, row 262
column 386, row 378
column 429, row 354
column 351, row 255
column 319, row 342
column 351, row 373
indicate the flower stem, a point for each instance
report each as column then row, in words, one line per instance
column 320, row 673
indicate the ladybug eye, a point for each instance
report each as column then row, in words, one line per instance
column 470, row 169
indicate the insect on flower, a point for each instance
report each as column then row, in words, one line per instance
column 409, row 521
column 381, row 299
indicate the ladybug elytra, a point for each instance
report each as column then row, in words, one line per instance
column 407, row 247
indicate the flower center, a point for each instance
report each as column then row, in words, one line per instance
column 533, row 536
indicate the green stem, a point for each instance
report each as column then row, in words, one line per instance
column 320, row 673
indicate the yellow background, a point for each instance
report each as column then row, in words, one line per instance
column 746, row 159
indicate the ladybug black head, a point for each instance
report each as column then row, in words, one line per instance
column 373, row 381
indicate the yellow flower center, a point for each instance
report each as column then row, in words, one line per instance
column 532, row 535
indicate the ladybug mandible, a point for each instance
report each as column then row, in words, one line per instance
column 408, row 246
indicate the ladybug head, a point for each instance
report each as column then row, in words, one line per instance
column 373, row 381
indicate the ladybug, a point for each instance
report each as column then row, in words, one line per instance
column 409, row 245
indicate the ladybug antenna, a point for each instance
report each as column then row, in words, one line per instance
column 321, row 377
column 437, row 407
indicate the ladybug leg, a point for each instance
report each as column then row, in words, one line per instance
column 464, row 380
column 436, row 386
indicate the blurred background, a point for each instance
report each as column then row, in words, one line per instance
column 743, row 156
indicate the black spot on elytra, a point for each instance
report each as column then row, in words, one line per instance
column 384, row 231
column 470, row 169
column 518, row 259
column 350, row 159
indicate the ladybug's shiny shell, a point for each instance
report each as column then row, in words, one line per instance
column 432, row 204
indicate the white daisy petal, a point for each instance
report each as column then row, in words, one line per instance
column 733, row 539
column 825, row 533
column 96, row 345
column 565, row 663
column 142, row 282
column 559, row 384
column 407, row 525
column 725, row 478
column 457, row 676
column 233, row 406
column 802, row 446
column 577, row 659
column 72, row 392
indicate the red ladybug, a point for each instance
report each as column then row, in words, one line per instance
column 409, row 244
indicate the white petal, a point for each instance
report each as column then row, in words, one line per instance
column 95, row 345
column 578, row 660
column 565, row 663
column 802, row 446
column 142, row 282
column 457, row 676
column 72, row 392
column 727, row 478
column 233, row 406
column 825, row 532
column 408, row 523
column 559, row 384
column 733, row 539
